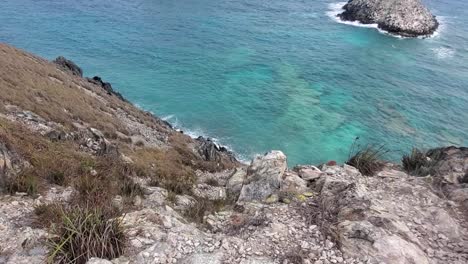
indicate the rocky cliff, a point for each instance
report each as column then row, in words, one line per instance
column 72, row 150
column 408, row 18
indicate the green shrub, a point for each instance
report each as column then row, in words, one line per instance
column 84, row 233
column 367, row 159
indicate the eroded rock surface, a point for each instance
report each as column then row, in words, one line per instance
column 409, row 18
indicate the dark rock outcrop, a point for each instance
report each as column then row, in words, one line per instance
column 69, row 66
column 106, row 86
column 210, row 151
column 408, row 18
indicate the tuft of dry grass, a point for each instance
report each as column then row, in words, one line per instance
column 171, row 197
column 47, row 214
column 197, row 211
column 420, row 163
column 83, row 233
column 415, row 162
column 23, row 183
column 367, row 158
column 166, row 168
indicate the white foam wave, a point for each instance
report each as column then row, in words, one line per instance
column 334, row 9
column 198, row 132
column 443, row 52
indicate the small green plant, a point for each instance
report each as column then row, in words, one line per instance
column 87, row 165
column 84, row 233
column 417, row 163
column 367, row 159
column 26, row 183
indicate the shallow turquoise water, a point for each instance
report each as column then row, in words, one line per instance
column 260, row 75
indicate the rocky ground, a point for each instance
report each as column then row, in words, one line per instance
column 409, row 18
column 264, row 212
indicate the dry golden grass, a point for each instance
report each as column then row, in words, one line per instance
column 36, row 85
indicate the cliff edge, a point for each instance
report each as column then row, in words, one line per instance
column 86, row 177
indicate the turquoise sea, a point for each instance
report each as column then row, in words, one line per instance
column 264, row 74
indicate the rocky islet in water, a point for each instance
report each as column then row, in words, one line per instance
column 407, row 18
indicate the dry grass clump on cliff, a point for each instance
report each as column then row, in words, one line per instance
column 201, row 207
column 419, row 163
column 53, row 162
column 166, row 168
column 34, row 84
column 22, row 183
column 367, row 159
column 83, row 233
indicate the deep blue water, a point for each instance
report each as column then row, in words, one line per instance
column 261, row 74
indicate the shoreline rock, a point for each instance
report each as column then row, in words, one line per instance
column 409, row 18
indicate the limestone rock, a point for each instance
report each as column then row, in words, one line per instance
column 235, row 182
column 213, row 193
column 98, row 261
column 293, row 184
column 308, row 172
column 409, row 18
column 264, row 176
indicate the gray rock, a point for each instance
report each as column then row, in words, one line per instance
column 210, row 151
column 308, row 172
column 68, row 65
column 409, row 18
column 204, row 258
column 213, row 193
column 98, row 261
column 293, row 184
column 264, row 176
column 235, row 182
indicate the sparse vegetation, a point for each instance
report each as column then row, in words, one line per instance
column 129, row 188
column 212, row 182
column 46, row 214
column 202, row 207
column 166, row 168
column 419, row 162
column 25, row 183
column 83, row 233
column 293, row 257
column 416, row 163
column 367, row 159
column 171, row 197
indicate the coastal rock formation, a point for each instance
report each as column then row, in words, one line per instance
column 106, row 86
column 211, row 151
column 408, row 18
column 69, row 66
column 261, row 213
column 264, row 176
